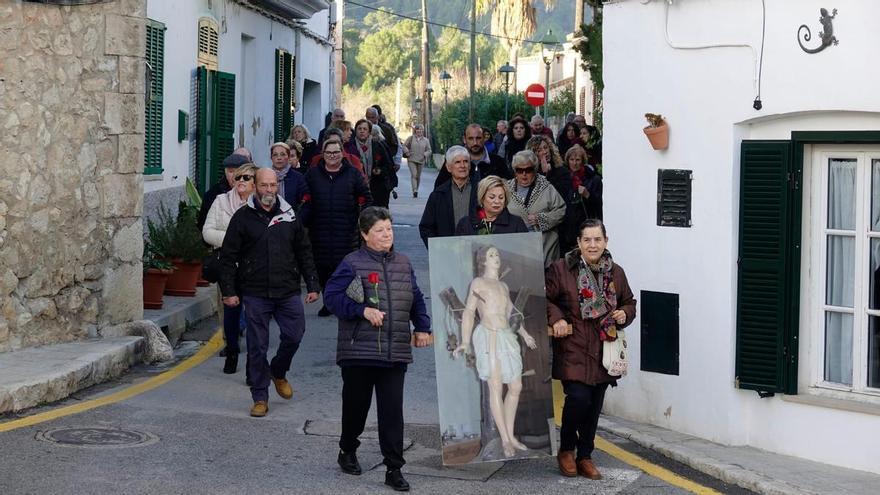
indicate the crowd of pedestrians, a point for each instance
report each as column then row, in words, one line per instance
column 318, row 219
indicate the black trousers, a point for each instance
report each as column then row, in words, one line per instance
column 580, row 417
column 358, row 383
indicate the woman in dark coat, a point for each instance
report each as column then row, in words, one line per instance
column 492, row 216
column 374, row 294
column 585, row 199
column 338, row 193
column 518, row 134
column 300, row 134
column 377, row 162
column 589, row 292
column 569, row 137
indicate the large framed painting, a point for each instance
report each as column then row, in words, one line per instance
column 491, row 347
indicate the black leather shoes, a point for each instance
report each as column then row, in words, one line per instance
column 349, row 463
column 231, row 365
column 394, row 479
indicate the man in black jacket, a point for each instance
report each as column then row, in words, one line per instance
column 238, row 158
column 452, row 200
column 483, row 164
column 265, row 251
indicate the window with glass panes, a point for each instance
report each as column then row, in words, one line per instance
column 846, row 267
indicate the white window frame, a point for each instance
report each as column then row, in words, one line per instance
column 814, row 272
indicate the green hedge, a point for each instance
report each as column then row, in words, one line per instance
column 450, row 123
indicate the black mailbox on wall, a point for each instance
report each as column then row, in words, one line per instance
column 659, row 332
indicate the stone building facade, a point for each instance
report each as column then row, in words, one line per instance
column 71, row 155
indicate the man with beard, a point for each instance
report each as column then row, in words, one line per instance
column 264, row 252
column 482, row 163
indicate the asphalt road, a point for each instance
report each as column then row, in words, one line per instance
column 199, row 438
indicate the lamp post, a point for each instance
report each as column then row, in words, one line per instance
column 444, row 84
column 507, row 70
column 429, row 123
column 549, row 49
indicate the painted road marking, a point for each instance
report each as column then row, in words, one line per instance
column 196, row 359
column 630, row 458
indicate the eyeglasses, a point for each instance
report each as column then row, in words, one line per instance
column 523, row 171
column 332, row 153
column 245, row 178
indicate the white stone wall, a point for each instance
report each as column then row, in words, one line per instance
column 71, row 154
column 706, row 96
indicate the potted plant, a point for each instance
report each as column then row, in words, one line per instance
column 657, row 131
column 179, row 240
column 156, row 273
column 194, row 200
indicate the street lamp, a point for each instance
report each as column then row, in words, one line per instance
column 507, row 70
column 430, row 120
column 550, row 47
column 444, row 83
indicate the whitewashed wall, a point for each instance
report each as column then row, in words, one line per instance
column 706, row 96
column 247, row 49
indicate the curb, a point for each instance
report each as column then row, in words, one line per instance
column 46, row 374
column 726, row 472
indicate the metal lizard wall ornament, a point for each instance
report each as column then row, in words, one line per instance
column 827, row 33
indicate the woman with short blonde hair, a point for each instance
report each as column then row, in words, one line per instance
column 492, row 216
column 213, row 232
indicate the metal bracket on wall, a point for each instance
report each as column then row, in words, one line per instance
column 827, row 33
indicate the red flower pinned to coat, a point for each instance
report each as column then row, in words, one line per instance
column 373, row 278
column 586, row 293
column 306, row 198
column 362, row 200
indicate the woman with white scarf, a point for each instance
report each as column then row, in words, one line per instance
column 213, row 232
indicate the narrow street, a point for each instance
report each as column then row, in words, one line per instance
column 200, row 439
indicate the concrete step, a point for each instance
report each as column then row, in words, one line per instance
column 38, row 375
column 177, row 312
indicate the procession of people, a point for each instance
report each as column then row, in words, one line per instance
column 317, row 222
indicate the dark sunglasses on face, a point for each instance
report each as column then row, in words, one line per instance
column 245, row 178
column 523, row 171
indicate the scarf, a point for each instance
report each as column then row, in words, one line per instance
column 280, row 175
column 365, row 150
column 597, row 296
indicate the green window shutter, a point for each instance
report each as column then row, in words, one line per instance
column 223, row 126
column 764, row 287
column 284, row 88
column 155, row 58
column 202, row 181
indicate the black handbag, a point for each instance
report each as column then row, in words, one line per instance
column 211, row 267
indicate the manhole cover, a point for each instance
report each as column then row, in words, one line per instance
column 97, row 438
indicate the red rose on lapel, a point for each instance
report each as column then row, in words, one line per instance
column 306, row 198
column 481, row 213
column 586, row 293
column 373, row 278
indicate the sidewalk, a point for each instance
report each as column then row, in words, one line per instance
column 39, row 375
column 753, row 469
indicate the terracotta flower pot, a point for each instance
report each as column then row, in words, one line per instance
column 182, row 282
column 154, row 286
column 658, row 136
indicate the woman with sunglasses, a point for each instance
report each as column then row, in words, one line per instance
column 535, row 200
column 213, row 232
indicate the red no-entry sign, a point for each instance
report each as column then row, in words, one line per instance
column 535, row 95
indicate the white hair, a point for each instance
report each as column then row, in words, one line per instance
column 455, row 151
